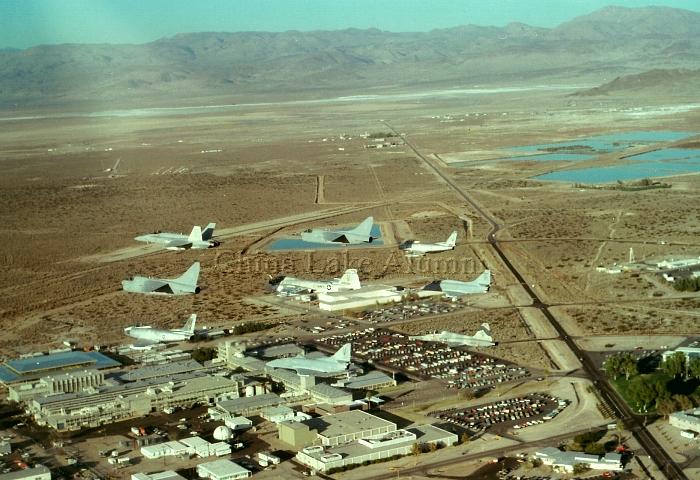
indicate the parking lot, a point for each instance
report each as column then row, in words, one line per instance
column 410, row 311
column 499, row 417
column 421, row 360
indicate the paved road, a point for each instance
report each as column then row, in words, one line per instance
column 634, row 423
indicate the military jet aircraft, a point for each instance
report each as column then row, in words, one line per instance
column 456, row 289
column 197, row 239
column 482, row 338
column 337, row 363
column 182, row 285
column 414, row 248
column 360, row 234
column 148, row 335
column 292, row 285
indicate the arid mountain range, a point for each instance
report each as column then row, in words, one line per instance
column 183, row 69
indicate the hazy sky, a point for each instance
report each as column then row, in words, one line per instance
column 25, row 23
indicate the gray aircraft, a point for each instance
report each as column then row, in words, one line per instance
column 360, row 234
column 456, row 289
column 182, row 285
column 197, row 239
column 482, row 338
column 147, row 335
column 336, row 363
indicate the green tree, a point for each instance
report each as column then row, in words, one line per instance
column 694, row 367
column 628, row 365
column 432, row 447
column 674, row 365
column 683, row 402
column 612, row 366
column 580, row 468
column 666, row 406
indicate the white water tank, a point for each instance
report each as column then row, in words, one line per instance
column 223, row 433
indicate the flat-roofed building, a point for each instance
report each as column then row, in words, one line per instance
column 166, row 475
column 39, row 472
column 336, row 429
column 689, row 352
column 222, row 470
column 110, row 403
column 396, row 443
column 360, row 298
column 565, row 461
column 686, row 420
column 249, row 405
column 373, row 380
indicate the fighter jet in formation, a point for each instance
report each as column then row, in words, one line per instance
column 456, row 289
column 482, row 338
column 147, row 335
column 291, row 285
column 414, row 248
column 360, row 234
column 197, row 239
column 182, row 285
column 337, row 363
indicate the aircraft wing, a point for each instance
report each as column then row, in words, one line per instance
column 302, row 371
column 154, row 285
column 180, row 243
column 143, row 343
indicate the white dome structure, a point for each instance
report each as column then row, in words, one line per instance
column 222, row 433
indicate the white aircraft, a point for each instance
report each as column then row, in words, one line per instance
column 360, row 234
column 414, row 248
column 337, row 363
column 482, row 338
column 182, row 285
column 148, row 335
column 455, row 288
column 197, row 239
column 349, row 281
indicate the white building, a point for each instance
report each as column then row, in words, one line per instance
column 222, row 470
column 565, row 461
column 277, row 414
column 187, row 446
column 167, row 475
column 687, row 421
column 39, row 472
column 377, row 447
column 363, row 297
column 689, row 352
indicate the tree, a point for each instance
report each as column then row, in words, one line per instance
column 628, row 365
column 666, row 406
column 612, row 366
column 683, row 402
column 432, row 447
column 416, row 449
column 580, row 468
column 464, row 438
column 694, row 367
column 674, row 365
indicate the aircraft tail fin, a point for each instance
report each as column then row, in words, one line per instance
column 190, row 277
column 195, row 235
column 350, row 279
column 190, row 323
column 484, row 279
column 364, row 229
column 484, row 333
column 451, row 240
column 343, row 353
column 209, row 231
